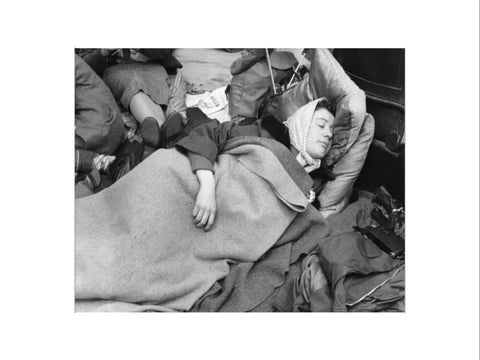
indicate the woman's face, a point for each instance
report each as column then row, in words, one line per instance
column 319, row 137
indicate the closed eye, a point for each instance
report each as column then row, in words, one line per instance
column 322, row 123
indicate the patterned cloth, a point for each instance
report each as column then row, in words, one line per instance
column 102, row 162
column 298, row 126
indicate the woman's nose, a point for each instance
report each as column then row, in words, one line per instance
column 328, row 133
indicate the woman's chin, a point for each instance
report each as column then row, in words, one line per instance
column 323, row 152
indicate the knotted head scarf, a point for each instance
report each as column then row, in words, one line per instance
column 298, row 126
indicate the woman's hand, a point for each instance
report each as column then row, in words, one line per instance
column 205, row 207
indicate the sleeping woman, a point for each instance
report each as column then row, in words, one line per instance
column 307, row 133
column 136, row 246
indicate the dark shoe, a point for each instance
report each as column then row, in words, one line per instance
column 171, row 131
column 249, row 58
column 178, row 95
column 150, row 132
column 128, row 155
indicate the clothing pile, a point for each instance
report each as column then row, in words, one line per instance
column 347, row 272
column 353, row 270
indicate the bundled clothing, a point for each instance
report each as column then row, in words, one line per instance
column 347, row 272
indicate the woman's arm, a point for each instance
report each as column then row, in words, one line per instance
column 207, row 140
column 203, row 144
column 205, row 207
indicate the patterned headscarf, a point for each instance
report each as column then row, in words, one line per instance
column 298, row 126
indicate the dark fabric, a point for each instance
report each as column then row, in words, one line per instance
column 127, row 79
column 176, row 128
column 354, row 266
column 128, row 155
column 98, row 121
column 209, row 140
column 198, row 162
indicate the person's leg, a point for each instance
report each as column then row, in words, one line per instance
column 150, row 116
column 143, row 90
column 142, row 107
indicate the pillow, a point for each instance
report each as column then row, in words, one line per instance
column 327, row 78
column 335, row 196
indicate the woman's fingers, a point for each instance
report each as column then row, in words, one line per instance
column 204, row 217
column 203, row 222
column 211, row 220
column 199, row 216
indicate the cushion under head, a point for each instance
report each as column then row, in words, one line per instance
column 328, row 79
column 353, row 128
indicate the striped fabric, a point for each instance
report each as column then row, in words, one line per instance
column 298, row 125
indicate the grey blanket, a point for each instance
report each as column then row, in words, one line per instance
column 136, row 247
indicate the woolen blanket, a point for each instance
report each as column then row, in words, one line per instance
column 136, row 247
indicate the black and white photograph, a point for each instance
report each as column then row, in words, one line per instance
column 249, row 180
column 239, row 180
